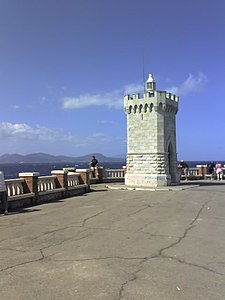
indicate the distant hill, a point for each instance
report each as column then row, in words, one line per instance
column 48, row 158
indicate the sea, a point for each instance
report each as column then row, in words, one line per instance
column 11, row 170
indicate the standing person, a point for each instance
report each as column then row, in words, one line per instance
column 211, row 168
column 184, row 167
column 94, row 167
column 219, row 171
column 3, row 193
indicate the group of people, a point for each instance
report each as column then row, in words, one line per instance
column 215, row 168
column 212, row 169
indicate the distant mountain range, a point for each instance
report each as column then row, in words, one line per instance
column 48, row 158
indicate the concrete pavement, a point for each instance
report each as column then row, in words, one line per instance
column 117, row 244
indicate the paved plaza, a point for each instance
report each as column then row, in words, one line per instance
column 118, row 244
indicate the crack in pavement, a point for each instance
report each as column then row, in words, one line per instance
column 101, row 258
column 144, row 226
column 139, row 210
column 65, row 240
column 190, row 226
column 23, row 263
column 160, row 254
column 121, row 291
column 193, row 265
column 43, row 256
column 13, row 249
column 46, row 233
column 134, row 274
column 91, row 217
column 50, row 232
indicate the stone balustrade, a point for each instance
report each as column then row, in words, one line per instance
column 14, row 187
column 113, row 173
column 73, row 179
column 18, row 193
column 46, row 183
column 106, row 175
column 193, row 172
column 31, row 188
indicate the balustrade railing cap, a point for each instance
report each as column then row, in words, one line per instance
column 29, row 174
column 73, row 173
column 69, row 169
column 197, row 166
column 82, row 170
column 55, row 172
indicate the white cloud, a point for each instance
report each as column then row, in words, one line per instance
column 104, row 122
column 98, row 135
column 112, row 100
column 24, row 131
column 15, row 106
column 191, row 84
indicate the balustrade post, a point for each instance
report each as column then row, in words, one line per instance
column 31, row 184
column 84, row 177
column 100, row 174
column 202, row 170
column 61, row 179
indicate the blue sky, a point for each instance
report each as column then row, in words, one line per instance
column 65, row 66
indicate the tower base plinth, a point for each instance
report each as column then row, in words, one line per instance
column 147, row 180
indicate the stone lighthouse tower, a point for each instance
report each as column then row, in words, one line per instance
column 151, row 138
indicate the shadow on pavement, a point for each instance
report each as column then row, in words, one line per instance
column 96, row 191
column 20, row 211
